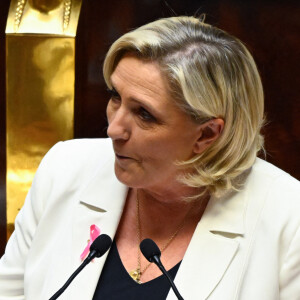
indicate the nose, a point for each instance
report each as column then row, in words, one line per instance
column 118, row 124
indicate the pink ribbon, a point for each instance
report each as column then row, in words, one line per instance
column 94, row 233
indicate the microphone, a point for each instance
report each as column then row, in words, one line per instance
column 152, row 253
column 100, row 245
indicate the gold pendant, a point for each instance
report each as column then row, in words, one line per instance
column 136, row 275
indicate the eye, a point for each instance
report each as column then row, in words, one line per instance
column 114, row 95
column 145, row 115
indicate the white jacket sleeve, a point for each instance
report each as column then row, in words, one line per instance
column 12, row 264
column 290, row 271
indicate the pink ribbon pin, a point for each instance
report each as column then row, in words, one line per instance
column 94, row 233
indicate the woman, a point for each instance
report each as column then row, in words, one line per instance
column 180, row 167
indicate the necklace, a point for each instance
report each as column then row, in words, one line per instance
column 137, row 273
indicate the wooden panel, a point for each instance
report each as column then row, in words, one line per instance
column 271, row 31
column 268, row 28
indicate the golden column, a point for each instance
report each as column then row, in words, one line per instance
column 40, row 73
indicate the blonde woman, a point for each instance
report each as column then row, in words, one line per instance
column 179, row 167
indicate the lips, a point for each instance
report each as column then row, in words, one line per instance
column 122, row 156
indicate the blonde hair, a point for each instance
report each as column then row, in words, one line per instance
column 211, row 74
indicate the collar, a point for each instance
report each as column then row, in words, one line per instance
column 226, row 214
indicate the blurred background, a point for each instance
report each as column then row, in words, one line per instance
column 270, row 30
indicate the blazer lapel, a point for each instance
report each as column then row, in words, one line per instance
column 101, row 203
column 212, row 248
column 207, row 258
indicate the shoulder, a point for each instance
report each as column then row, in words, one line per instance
column 276, row 195
column 274, row 198
column 82, row 149
column 70, row 165
column 66, row 170
column 269, row 177
column 278, row 225
column 80, row 154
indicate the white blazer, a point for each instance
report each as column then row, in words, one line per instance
column 246, row 246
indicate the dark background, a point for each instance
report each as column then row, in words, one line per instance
column 270, row 29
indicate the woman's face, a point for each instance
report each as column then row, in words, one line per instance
column 148, row 131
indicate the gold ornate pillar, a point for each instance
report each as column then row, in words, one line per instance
column 40, row 66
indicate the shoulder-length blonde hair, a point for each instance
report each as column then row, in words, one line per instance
column 211, row 74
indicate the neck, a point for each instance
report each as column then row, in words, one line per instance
column 160, row 214
column 173, row 196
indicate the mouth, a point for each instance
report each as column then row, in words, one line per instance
column 122, row 157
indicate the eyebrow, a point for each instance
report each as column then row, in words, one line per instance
column 113, row 88
column 139, row 101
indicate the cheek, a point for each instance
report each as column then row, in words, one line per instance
column 157, row 151
column 174, row 149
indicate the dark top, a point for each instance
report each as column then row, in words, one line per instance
column 116, row 284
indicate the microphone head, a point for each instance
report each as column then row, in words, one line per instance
column 101, row 244
column 149, row 249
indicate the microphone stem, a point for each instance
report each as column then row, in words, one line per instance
column 161, row 267
column 77, row 271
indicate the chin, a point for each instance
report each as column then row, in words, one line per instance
column 128, row 178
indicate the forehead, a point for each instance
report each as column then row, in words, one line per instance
column 141, row 75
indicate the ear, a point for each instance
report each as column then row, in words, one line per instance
column 208, row 133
